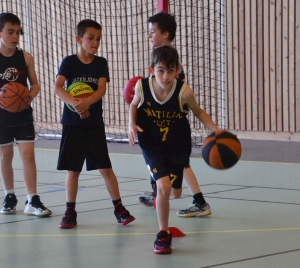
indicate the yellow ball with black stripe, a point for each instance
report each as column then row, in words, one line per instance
column 79, row 90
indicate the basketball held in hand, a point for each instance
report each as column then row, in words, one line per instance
column 128, row 91
column 15, row 97
column 221, row 150
column 79, row 90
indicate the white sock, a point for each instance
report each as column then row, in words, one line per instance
column 29, row 197
column 12, row 191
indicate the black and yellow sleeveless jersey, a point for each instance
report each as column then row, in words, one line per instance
column 165, row 123
column 14, row 69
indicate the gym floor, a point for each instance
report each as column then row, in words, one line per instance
column 255, row 219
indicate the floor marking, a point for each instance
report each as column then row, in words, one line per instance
column 246, row 231
column 140, row 155
column 151, row 233
column 253, row 258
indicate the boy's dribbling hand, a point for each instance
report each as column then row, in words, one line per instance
column 132, row 133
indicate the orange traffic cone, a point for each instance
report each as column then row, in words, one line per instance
column 176, row 232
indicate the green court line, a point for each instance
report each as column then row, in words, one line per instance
column 131, row 234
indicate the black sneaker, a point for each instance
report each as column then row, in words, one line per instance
column 162, row 244
column 36, row 208
column 122, row 214
column 69, row 219
column 9, row 204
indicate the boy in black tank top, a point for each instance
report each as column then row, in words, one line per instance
column 162, row 32
column 17, row 66
column 158, row 118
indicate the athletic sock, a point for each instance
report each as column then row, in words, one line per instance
column 115, row 202
column 29, row 197
column 71, row 205
column 12, row 191
column 199, row 199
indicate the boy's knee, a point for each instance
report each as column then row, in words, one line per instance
column 176, row 193
column 28, row 153
column 28, row 156
column 73, row 174
column 107, row 173
column 165, row 190
column 6, row 156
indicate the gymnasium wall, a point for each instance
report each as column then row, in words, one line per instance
column 263, row 68
column 262, row 60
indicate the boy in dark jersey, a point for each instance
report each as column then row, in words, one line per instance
column 83, row 135
column 17, row 66
column 162, row 27
column 158, row 118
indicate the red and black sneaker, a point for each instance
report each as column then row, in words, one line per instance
column 162, row 244
column 69, row 219
column 122, row 214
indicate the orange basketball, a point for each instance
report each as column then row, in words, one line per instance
column 15, row 97
column 221, row 149
column 128, row 91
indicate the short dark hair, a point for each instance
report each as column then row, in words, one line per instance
column 8, row 18
column 84, row 24
column 165, row 54
column 165, row 23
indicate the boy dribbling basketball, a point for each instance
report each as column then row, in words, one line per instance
column 162, row 30
column 158, row 117
column 83, row 135
column 17, row 65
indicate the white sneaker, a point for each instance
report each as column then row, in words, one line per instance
column 195, row 210
column 36, row 208
column 147, row 201
column 147, row 193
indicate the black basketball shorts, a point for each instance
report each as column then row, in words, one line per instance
column 20, row 134
column 79, row 144
column 161, row 165
column 152, row 181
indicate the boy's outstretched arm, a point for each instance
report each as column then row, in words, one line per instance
column 188, row 98
column 133, row 128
